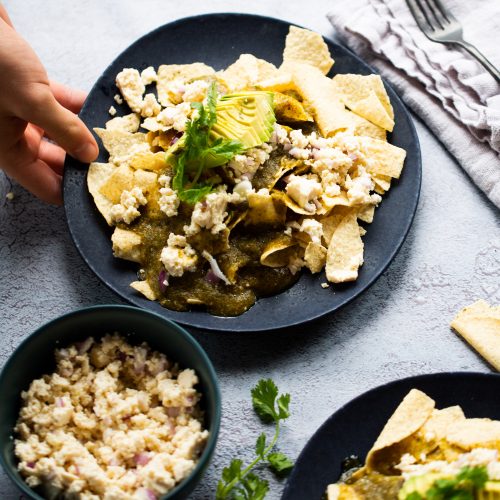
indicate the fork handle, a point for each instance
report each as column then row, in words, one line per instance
column 474, row 52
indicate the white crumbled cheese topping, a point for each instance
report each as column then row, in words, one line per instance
column 118, row 99
column 168, row 201
column 243, row 189
column 209, row 213
column 329, row 183
column 150, row 106
column 112, row 110
column 127, row 210
column 313, row 228
column 295, row 264
column 245, row 165
column 149, row 75
column 113, row 421
column 178, row 256
column 132, row 88
column 175, row 90
column 195, row 91
column 280, row 136
column 175, row 116
column 325, row 285
column 477, row 457
column 359, row 187
column 304, row 191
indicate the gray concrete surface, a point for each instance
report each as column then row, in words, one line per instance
column 397, row 328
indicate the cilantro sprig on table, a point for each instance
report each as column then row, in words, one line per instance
column 200, row 152
column 463, row 486
column 239, row 482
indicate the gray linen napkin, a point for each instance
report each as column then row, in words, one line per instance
column 450, row 91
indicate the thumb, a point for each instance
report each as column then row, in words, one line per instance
column 61, row 125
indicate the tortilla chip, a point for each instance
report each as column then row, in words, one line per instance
column 154, row 162
column 320, row 94
column 127, row 123
column 386, row 159
column 147, row 181
column 277, row 252
column 97, row 176
column 331, row 221
column 363, row 127
column 409, row 417
column 366, row 96
column 345, row 251
column 185, row 72
column 246, row 72
column 436, row 428
column 315, row 257
column 120, row 179
column 479, row 325
column 282, row 82
column 475, row 432
column 126, row 244
column 305, row 46
column 144, row 288
column 122, row 146
column 382, row 183
column 366, row 213
column 289, row 110
column 265, row 209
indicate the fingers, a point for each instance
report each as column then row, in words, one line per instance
column 70, row 98
column 5, row 16
column 40, row 179
column 59, row 123
column 52, row 155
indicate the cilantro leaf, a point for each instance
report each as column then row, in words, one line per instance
column 260, row 445
column 279, row 463
column 198, row 152
column 283, row 402
column 264, row 395
column 252, row 488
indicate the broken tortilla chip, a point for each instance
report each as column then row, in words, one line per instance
column 315, row 257
column 385, row 159
column 126, row 244
column 246, row 72
column 479, row 325
column 305, row 46
column 474, row 432
column 128, row 123
column 345, row 251
column 409, row 417
column 97, row 176
column 122, row 146
column 145, row 288
column 366, row 96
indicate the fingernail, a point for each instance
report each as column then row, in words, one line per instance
column 87, row 152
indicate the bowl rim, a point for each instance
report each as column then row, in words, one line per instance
column 207, row 453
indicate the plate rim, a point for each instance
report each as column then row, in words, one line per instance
column 220, row 320
column 413, row 379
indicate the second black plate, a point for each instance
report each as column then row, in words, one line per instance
column 353, row 429
column 218, row 40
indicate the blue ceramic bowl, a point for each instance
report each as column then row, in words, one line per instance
column 35, row 357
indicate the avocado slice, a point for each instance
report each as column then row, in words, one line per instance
column 247, row 117
column 419, row 484
column 491, row 491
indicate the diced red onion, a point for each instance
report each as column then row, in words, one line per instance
column 60, row 403
column 175, row 138
column 83, row 347
column 142, row 458
column 163, row 280
column 31, row 465
column 212, row 278
column 353, row 156
column 215, row 267
column 150, row 494
column 173, row 411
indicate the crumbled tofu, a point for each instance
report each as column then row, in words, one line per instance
column 149, row 75
column 118, row 99
column 178, row 256
column 313, row 228
column 175, row 116
column 128, row 208
column 169, row 201
column 325, row 285
column 304, row 191
column 150, row 106
column 112, row 111
column 195, row 91
column 359, row 187
column 132, row 88
column 243, row 189
column 209, row 213
column 245, row 165
column 114, row 421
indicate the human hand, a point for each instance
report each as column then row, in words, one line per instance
column 31, row 109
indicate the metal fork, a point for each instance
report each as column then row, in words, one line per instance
column 439, row 25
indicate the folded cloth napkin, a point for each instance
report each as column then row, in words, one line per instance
column 450, row 91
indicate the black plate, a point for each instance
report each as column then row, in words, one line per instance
column 218, row 40
column 353, row 429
